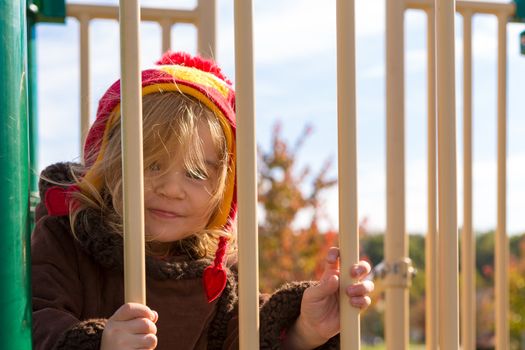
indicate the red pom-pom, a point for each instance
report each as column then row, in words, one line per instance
column 57, row 200
column 187, row 60
column 214, row 279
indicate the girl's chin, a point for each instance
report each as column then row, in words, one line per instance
column 166, row 237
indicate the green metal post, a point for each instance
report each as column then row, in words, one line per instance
column 15, row 291
column 33, row 110
column 519, row 15
column 522, row 43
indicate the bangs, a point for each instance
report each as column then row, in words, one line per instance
column 171, row 123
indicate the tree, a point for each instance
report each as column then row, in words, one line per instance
column 289, row 253
column 485, row 290
column 286, row 253
column 517, row 292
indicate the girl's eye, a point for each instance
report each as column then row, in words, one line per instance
column 196, row 175
column 154, row 167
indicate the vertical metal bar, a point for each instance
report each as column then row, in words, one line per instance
column 207, row 28
column 347, row 159
column 166, row 35
column 132, row 156
column 502, row 243
column 247, row 172
column 448, row 235
column 396, row 245
column 468, row 252
column 15, row 289
column 32, row 91
column 85, row 83
column 431, row 252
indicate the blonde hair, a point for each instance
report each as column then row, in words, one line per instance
column 170, row 121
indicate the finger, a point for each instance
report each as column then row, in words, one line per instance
column 329, row 283
column 361, row 269
column 331, row 263
column 360, row 302
column 332, row 257
column 140, row 326
column 130, row 311
column 360, row 289
column 326, row 287
column 145, row 341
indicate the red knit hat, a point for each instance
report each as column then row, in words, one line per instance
column 193, row 76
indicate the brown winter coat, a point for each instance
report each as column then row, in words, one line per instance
column 78, row 284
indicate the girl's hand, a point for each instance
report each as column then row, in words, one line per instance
column 132, row 326
column 319, row 318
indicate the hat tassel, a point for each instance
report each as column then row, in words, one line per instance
column 214, row 277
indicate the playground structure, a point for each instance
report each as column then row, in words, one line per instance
column 443, row 325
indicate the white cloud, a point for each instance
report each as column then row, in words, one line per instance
column 284, row 31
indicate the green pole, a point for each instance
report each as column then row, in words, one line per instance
column 33, row 110
column 15, row 292
column 519, row 15
column 522, row 42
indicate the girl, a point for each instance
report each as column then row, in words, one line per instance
column 190, row 207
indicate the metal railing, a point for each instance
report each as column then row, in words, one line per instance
column 202, row 17
column 443, row 325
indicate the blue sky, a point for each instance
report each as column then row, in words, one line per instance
column 295, row 52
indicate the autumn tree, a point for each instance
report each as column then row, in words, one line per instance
column 285, row 190
column 296, row 252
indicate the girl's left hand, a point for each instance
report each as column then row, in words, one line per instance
column 319, row 318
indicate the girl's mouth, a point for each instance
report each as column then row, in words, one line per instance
column 163, row 214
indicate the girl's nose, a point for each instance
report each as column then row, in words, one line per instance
column 171, row 185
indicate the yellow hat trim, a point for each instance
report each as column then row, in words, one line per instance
column 197, row 76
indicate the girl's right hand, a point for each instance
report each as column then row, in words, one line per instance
column 132, row 326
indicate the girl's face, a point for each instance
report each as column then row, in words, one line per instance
column 177, row 201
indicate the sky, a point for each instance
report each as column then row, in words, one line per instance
column 295, row 71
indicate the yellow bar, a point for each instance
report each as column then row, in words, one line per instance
column 431, row 253
column 502, row 244
column 206, row 24
column 396, row 245
column 132, row 158
column 347, row 160
column 246, row 178
column 473, row 7
column 85, row 85
column 448, row 236
column 468, row 252
column 147, row 14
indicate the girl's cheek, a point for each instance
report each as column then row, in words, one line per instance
column 203, row 186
